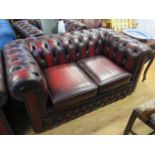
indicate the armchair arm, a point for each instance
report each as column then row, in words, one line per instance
column 26, row 82
column 3, row 96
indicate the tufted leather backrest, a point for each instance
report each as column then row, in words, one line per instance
column 47, row 51
column 71, row 47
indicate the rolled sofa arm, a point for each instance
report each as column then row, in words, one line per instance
column 128, row 53
column 26, row 81
column 144, row 54
column 25, row 29
column 74, row 25
column 148, row 57
column 3, row 95
column 36, row 23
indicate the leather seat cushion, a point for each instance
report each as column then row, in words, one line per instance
column 105, row 73
column 68, row 84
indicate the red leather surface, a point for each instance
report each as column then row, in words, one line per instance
column 105, row 73
column 22, row 69
column 68, row 84
column 92, row 23
column 72, row 25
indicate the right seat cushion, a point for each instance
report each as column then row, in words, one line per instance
column 105, row 73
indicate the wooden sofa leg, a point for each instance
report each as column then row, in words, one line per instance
column 33, row 110
column 130, row 123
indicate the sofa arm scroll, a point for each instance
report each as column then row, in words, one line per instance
column 26, row 82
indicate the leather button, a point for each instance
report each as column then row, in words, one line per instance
column 114, row 54
column 124, row 60
column 16, row 68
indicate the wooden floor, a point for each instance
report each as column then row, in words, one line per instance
column 111, row 119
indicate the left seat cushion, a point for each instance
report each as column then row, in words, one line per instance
column 68, row 84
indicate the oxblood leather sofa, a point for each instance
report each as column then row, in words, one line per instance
column 74, row 25
column 83, row 24
column 92, row 23
column 27, row 28
column 36, row 23
column 65, row 76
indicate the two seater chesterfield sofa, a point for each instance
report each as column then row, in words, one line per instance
column 67, row 75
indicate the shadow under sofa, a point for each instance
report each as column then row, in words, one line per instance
column 67, row 75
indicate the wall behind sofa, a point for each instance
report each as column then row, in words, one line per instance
column 147, row 25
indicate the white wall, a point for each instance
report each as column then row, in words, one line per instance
column 147, row 25
column 49, row 26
